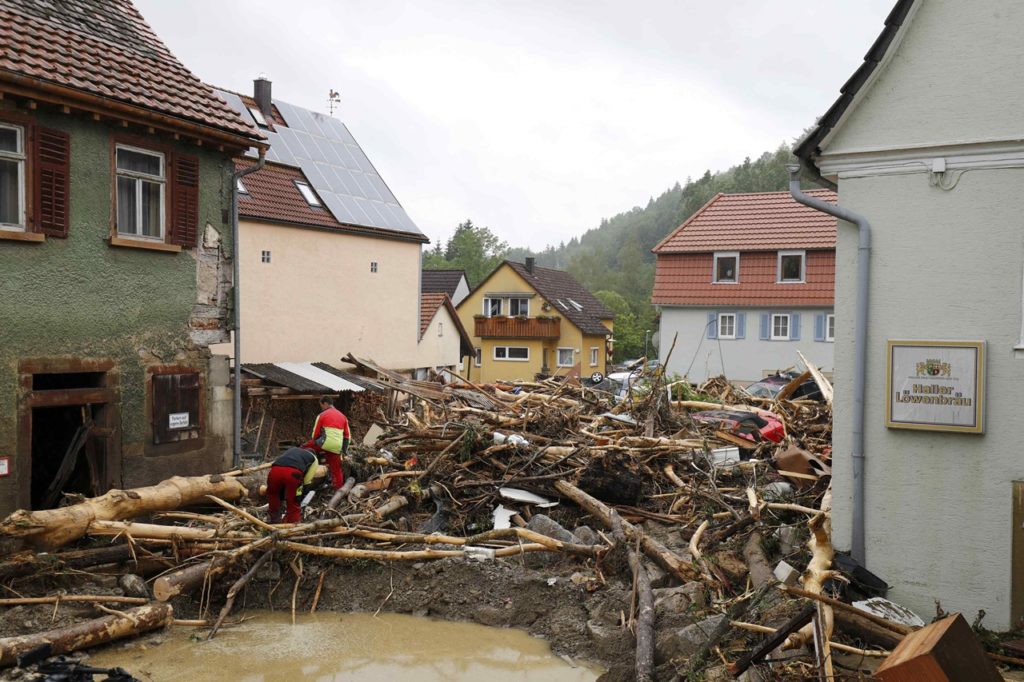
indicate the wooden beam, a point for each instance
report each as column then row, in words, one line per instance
column 71, row 396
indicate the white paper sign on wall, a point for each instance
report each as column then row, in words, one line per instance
column 5, row 466
column 936, row 386
column 177, row 420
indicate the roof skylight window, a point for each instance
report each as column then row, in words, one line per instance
column 576, row 305
column 308, row 194
column 258, row 115
column 240, row 187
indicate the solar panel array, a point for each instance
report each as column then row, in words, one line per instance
column 336, row 166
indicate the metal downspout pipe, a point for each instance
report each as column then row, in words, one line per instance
column 236, row 279
column 859, row 343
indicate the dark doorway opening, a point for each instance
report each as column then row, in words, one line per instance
column 67, row 455
column 68, row 428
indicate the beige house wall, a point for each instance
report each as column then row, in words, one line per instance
column 946, row 264
column 506, row 280
column 957, row 65
column 439, row 346
column 318, row 300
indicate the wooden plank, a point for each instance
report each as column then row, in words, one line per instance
column 1017, row 554
column 945, row 651
column 71, row 396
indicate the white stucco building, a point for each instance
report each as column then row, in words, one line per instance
column 743, row 284
column 927, row 143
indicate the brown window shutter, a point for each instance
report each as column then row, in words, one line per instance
column 52, row 182
column 185, row 201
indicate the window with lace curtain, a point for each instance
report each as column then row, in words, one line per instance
column 12, row 177
column 141, row 180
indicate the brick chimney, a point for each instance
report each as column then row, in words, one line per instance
column 529, row 264
column 261, row 93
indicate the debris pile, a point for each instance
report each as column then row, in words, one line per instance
column 705, row 505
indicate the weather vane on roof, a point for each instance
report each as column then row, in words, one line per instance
column 333, row 101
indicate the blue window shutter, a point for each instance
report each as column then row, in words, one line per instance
column 819, row 327
column 741, row 325
column 712, row 325
column 766, row 321
column 794, row 326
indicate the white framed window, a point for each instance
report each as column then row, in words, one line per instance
column 373, row 266
column 519, row 306
column 565, row 357
column 594, row 356
column 791, row 266
column 141, row 185
column 726, row 267
column 727, row 326
column 516, row 353
column 478, row 356
column 830, row 327
column 492, row 307
column 240, row 187
column 780, row 327
column 12, row 177
column 264, row 256
column 308, row 194
column 258, row 116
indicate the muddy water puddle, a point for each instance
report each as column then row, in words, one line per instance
column 327, row 647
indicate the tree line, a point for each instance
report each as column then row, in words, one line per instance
column 614, row 260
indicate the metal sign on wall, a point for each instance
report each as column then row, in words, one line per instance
column 936, row 386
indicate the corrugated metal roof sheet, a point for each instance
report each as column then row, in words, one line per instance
column 306, row 377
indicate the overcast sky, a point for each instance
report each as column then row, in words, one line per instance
column 536, row 118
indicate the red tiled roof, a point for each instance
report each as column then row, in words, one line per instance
column 272, row 195
column 105, row 48
column 429, row 303
column 685, row 279
column 763, row 221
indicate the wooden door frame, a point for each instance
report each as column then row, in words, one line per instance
column 108, row 428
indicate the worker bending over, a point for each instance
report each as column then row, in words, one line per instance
column 331, row 436
column 288, row 474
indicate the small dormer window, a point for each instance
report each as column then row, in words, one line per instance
column 257, row 116
column 240, row 187
column 308, row 194
column 727, row 268
column 791, row 266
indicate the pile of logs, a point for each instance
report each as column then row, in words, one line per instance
column 465, row 472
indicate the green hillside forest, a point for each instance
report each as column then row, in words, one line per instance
column 614, row 259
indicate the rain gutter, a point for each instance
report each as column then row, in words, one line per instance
column 860, row 347
column 237, row 305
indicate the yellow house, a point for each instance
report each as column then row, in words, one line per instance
column 526, row 320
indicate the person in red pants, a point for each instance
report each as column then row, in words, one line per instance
column 288, row 474
column 331, row 437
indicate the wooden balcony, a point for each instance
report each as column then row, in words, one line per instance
column 518, row 327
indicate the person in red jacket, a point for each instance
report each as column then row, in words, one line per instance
column 294, row 469
column 331, row 437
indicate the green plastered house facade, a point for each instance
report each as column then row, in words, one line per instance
column 115, row 255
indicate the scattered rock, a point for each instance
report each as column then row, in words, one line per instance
column 133, row 585
column 681, row 643
column 585, row 535
column 545, row 525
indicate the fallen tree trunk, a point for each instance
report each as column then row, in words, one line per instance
column 35, row 563
column 660, row 554
column 51, row 528
column 90, row 633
